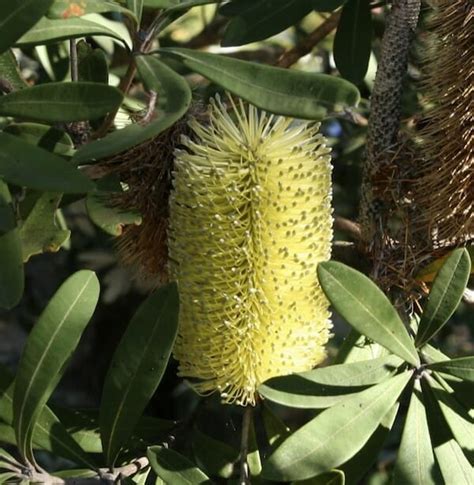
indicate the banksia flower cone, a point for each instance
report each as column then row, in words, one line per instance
column 250, row 219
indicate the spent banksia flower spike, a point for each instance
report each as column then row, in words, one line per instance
column 250, row 219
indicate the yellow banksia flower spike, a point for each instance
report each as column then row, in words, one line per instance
column 250, row 219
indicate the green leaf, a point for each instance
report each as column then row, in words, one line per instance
column 236, row 7
column 324, row 387
column 44, row 136
column 454, row 466
column 445, row 295
column 327, row 5
column 275, row 429
column 18, row 16
column 47, row 31
column 92, row 64
column 55, row 102
column 253, row 456
column 415, row 461
column 334, row 477
column 172, row 5
column 358, row 466
column 49, row 434
column 363, row 305
column 353, row 40
column 280, row 91
column 48, row 350
column 110, row 218
column 357, row 348
column 137, row 367
column 174, row 99
column 66, row 9
column 213, row 456
column 9, row 477
column 83, row 426
column 136, row 6
column 10, row 71
column 264, row 19
column 323, row 443
column 462, row 368
column 40, row 232
column 174, row 468
column 457, row 417
column 11, row 263
column 26, row 165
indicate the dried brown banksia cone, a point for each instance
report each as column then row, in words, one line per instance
column 444, row 188
column 250, row 219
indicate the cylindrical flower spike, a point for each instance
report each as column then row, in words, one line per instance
column 250, row 219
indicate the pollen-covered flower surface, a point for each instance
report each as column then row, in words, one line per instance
column 250, row 219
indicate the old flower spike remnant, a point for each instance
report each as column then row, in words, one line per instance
column 250, row 219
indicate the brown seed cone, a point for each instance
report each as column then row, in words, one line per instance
column 444, row 188
column 146, row 171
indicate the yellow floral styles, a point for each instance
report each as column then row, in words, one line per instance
column 250, row 219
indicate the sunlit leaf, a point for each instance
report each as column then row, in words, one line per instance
column 334, row 477
column 137, row 367
column 462, row 367
column 47, row 31
column 364, row 306
column 323, row 443
column 445, row 295
column 47, row 351
column 415, row 461
column 281, row 91
column 327, row 386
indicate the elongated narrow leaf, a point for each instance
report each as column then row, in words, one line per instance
column 83, row 426
column 17, row 16
column 49, row 434
column 321, row 388
column 10, row 71
column 65, row 9
column 323, row 443
column 264, row 19
column 415, row 460
column 47, row 31
column 61, row 101
column 11, row 262
column 462, row 368
column 26, row 165
column 454, row 466
column 358, row 466
column 92, row 64
column 213, row 456
column 137, row 368
column 47, row 351
column 334, row 477
column 353, row 40
column 174, row 468
column 457, row 417
column 363, row 305
column 174, row 98
column 275, row 429
column 236, row 7
column 281, row 91
column 136, row 6
column 43, row 136
column 445, row 295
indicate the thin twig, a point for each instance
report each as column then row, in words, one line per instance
column 74, row 61
column 244, row 447
column 304, row 47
